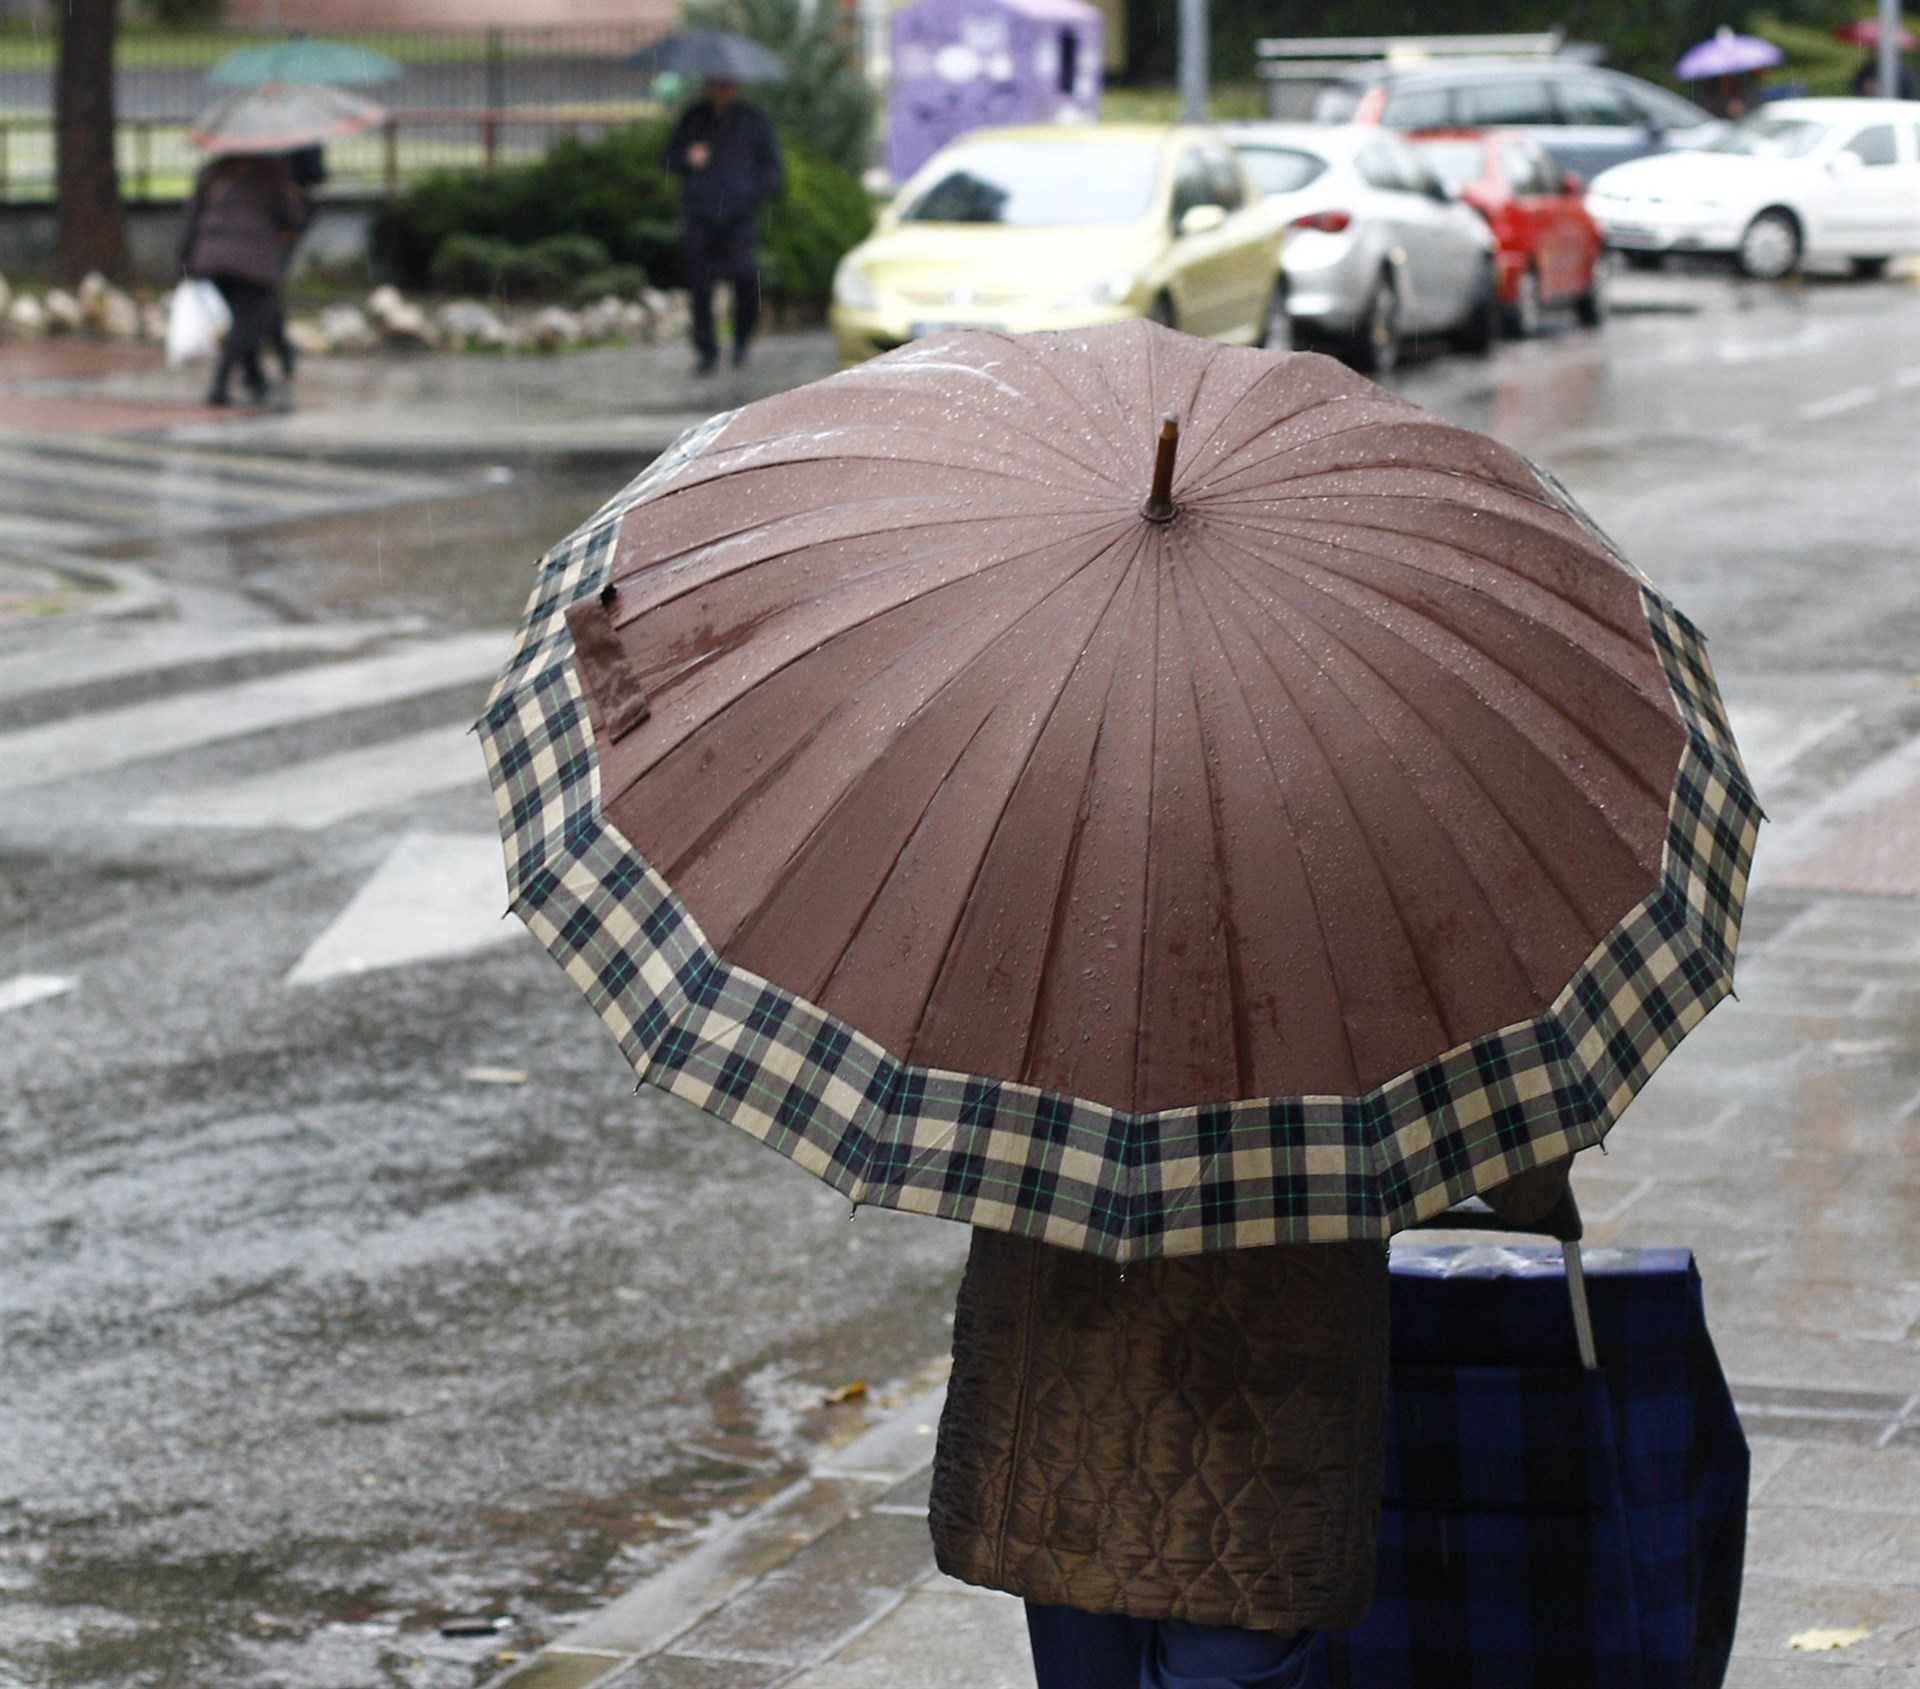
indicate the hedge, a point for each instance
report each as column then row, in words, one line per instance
column 613, row 202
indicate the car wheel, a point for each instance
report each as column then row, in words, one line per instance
column 1480, row 328
column 1770, row 249
column 1276, row 329
column 1375, row 347
column 1869, row 269
column 1523, row 315
column 1645, row 260
column 1591, row 307
column 1161, row 312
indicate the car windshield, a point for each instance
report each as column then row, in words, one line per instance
column 1023, row 185
column 1281, row 170
column 1771, row 137
column 1459, row 162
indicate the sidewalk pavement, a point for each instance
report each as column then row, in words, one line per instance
column 1779, row 1143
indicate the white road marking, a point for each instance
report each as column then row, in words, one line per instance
column 1908, row 378
column 86, row 655
column 323, row 790
column 1859, row 838
column 1772, row 736
column 1851, row 400
column 22, row 989
column 436, row 894
column 65, row 750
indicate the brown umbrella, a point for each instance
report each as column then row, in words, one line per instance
column 1287, row 855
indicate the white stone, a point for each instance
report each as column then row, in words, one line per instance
column 118, row 316
column 26, row 315
column 603, row 319
column 406, row 325
column 554, row 328
column 347, row 329
column 383, row 301
column 153, row 319
column 309, row 339
column 466, row 322
column 63, row 311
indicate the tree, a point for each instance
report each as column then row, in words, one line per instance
column 826, row 101
column 92, row 234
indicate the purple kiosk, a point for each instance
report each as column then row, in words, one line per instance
column 971, row 64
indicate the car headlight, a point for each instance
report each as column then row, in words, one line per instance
column 1105, row 290
column 852, row 289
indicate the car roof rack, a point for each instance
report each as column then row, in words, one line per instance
column 1289, row 56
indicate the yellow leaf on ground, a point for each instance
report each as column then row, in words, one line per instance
column 1820, row 1641
column 851, row 1391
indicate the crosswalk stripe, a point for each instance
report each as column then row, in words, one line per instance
column 347, row 478
column 89, row 655
column 436, row 894
column 323, row 790
column 83, row 745
column 23, row 989
column 180, row 482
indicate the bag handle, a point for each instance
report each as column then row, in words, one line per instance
column 1561, row 1222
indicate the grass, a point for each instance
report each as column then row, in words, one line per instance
column 1230, row 102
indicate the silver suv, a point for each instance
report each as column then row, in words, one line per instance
column 1586, row 118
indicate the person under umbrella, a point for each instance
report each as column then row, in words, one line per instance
column 1187, row 893
column 727, row 157
column 245, row 214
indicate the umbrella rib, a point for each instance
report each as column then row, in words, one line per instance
column 1347, row 524
column 1405, row 415
column 1077, row 409
column 1157, row 587
column 720, row 822
column 1358, row 827
column 920, row 710
column 1573, row 647
column 1285, row 806
column 1492, row 906
column 1056, row 918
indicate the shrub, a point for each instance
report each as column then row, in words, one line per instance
column 577, row 255
column 467, row 264
column 528, row 273
column 616, row 192
column 623, row 281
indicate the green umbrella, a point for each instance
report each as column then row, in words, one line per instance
column 301, row 59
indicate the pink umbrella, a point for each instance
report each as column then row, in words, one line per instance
column 279, row 116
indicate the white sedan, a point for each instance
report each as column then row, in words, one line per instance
column 1798, row 179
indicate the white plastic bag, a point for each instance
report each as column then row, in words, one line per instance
column 197, row 319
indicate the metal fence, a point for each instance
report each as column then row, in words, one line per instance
column 473, row 98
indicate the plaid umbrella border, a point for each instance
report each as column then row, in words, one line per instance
column 1064, row 1169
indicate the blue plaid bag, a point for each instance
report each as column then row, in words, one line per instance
column 1545, row 1526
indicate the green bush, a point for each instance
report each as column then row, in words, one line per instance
column 622, row 281
column 577, row 255
column 467, row 264
column 616, row 192
column 822, row 213
column 527, row 273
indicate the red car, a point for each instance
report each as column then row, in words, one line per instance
column 1551, row 251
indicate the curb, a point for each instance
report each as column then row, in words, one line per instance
column 845, row 1486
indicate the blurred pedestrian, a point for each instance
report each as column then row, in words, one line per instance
column 1866, row 80
column 1179, row 1465
column 726, row 155
column 245, row 214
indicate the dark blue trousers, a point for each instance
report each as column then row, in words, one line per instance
column 1076, row 1650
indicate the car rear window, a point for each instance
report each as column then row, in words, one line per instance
column 1458, row 162
column 1772, row 137
column 1504, row 104
column 1589, row 103
column 1281, row 170
column 1311, row 99
column 1031, row 186
column 1419, row 108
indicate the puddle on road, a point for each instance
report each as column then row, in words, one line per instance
column 461, row 559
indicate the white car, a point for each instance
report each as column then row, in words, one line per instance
column 1377, row 251
column 1798, row 179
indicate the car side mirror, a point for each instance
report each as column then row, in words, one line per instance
column 1200, row 220
column 1572, row 183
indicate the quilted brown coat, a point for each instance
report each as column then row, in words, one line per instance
column 1198, row 1439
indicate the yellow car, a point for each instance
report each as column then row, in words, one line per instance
column 1065, row 227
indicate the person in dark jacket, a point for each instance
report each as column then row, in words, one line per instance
column 244, row 217
column 1178, row 1466
column 728, row 161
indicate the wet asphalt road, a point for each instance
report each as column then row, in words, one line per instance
column 312, row 1339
